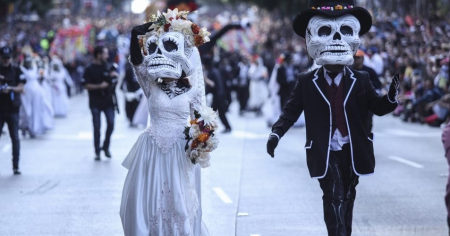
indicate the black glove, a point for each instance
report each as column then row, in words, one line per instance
column 272, row 143
column 135, row 50
column 394, row 89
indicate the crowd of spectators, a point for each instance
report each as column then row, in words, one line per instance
column 418, row 50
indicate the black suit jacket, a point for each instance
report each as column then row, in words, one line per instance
column 310, row 96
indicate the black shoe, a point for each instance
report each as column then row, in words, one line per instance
column 107, row 153
column 16, row 172
column 97, row 157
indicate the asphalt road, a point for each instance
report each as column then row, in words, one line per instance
column 63, row 191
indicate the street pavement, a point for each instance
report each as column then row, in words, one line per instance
column 63, row 191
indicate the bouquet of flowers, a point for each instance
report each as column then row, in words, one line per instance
column 200, row 136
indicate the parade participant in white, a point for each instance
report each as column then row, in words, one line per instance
column 161, row 195
column 58, row 78
column 36, row 109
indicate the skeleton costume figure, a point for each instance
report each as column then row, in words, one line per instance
column 161, row 194
column 335, row 100
column 58, row 78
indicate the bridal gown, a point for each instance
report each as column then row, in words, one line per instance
column 161, row 194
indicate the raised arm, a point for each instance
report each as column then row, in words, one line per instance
column 382, row 105
column 136, row 57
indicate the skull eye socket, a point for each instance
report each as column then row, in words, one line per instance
column 324, row 31
column 151, row 48
column 170, row 45
column 346, row 30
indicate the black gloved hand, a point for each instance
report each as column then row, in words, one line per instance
column 135, row 50
column 272, row 143
column 394, row 89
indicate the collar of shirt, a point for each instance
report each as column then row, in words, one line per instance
column 338, row 78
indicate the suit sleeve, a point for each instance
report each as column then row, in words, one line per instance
column 291, row 111
column 379, row 105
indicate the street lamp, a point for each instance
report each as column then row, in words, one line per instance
column 139, row 6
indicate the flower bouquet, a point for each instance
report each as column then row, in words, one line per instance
column 200, row 136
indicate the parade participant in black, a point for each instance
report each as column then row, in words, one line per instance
column 286, row 78
column 132, row 92
column 336, row 100
column 359, row 65
column 218, row 90
column 100, row 80
column 243, row 87
column 11, row 86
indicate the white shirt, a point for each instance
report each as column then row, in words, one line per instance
column 337, row 141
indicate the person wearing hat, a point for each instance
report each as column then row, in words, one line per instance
column 359, row 65
column 335, row 99
column 11, row 86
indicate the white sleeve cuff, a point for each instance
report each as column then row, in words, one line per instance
column 274, row 134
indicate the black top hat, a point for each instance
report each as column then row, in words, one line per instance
column 331, row 9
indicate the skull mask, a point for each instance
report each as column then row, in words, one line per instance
column 333, row 41
column 168, row 56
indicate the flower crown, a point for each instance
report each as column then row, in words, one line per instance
column 176, row 21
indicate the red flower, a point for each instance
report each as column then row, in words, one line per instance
column 195, row 28
column 166, row 27
column 198, row 40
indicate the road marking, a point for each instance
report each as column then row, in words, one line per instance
column 242, row 214
column 7, row 147
column 255, row 234
column 407, row 162
column 222, row 195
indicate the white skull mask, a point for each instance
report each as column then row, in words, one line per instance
column 333, row 41
column 168, row 56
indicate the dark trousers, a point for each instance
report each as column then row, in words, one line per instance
column 130, row 109
column 243, row 94
column 12, row 120
column 220, row 106
column 109, row 114
column 339, row 192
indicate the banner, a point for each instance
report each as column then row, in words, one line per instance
column 71, row 42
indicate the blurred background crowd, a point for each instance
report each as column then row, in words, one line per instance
column 254, row 63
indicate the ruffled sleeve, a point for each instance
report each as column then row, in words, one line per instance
column 141, row 74
column 198, row 99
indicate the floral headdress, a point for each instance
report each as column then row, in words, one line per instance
column 176, row 21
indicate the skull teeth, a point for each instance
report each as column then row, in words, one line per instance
column 162, row 63
column 335, row 50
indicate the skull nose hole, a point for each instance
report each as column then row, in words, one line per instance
column 337, row 36
column 159, row 51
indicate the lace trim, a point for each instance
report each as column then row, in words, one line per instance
column 165, row 142
column 174, row 88
column 141, row 72
column 166, row 218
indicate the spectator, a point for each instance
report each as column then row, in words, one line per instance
column 97, row 80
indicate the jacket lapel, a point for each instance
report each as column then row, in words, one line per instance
column 321, row 84
column 349, row 81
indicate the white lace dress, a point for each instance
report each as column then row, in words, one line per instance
column 161, row 194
